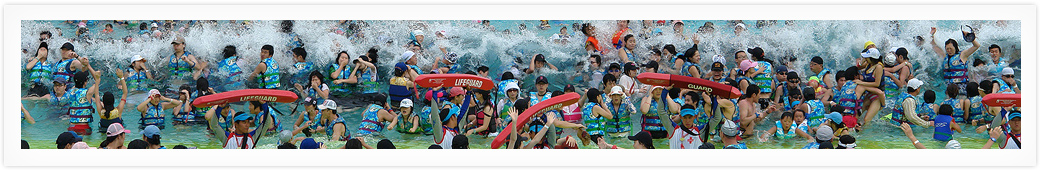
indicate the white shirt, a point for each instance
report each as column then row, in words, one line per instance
column 446, row 139
column 682, row 140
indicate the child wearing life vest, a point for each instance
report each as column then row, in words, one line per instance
column 944, row 124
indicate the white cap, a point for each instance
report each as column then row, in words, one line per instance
column 406, row 103
column 512, row 85
column 1008, row 71
column 914, row 83
column 136, row 58
column 152, row 92
column 953, row 144
column 328, row 104
column 890, row 59
column 285, row 136
column 616, row 90
column 719, row 58
column 407, row 55
column 155, row 25
column 657, row 87
column 417, row 32
column 871, row 53
column 81, row 145
column 742, row 25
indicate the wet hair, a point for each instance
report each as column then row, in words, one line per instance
column 669, row 48
column 353, row 144
column 202, row 85
column 749, row 91
column 929, row 96
column 735, row 55
column 557, row 93
column 180, row 147
column 81, row 79
column 584, row 27
column 109, row 100
column 656, row 52
column 689, row 54
column 987, row 86
column 521, row 105
column 651, row 64
column 614, row 66
column 794, row 92
column 837, row 108
column 229, row 51
column 337, row 56
column 507, row 76
column 270, row 49
column 48, row 33
column 954, row 43
column 798, row 111
column 299, row 51
column 902, row 52
column 978, row 62
column 694, row 97
column 482, row 68
column 946, row 109
column 385, row 144
column 994, row 46
column 460, row 142
column 808, row 94
column 142, row 26
column 137, row 144
column 851, row 73
column 599, row 60
column 256, row 104
column 109, row 139
column 287, row 26
column 435, row 146
column 609, row 78
column 373, row 55
column 592, row 94
column 952, row 91
column 788, row 115
column 155, row 140
column 627, row 37
column 316, row 73
column 687, row 106
column 972, row 89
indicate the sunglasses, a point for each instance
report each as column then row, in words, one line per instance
column 793, row 81
column 615, row 70
column 1009, row 76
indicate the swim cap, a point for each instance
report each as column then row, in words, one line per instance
column 407, row 55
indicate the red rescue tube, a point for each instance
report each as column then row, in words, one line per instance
column 280, row 96
column 454, row 80
column 692, row 83
column 541, row 107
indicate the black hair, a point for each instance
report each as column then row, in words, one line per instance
column 972, row 89
column 299, row 51
column 507, row 76
column 373, row 55
column 599, row 60
column 316, row 73
column 48, row 33
column 694, row 97
column 592, row 94
column 155, row 140
column 687, row 106
column 749, row 91
column 707, row 145
column 584, row 27
column 142, row 26
column 521, row 105
column 902, row 52
column 42, row 45
column 109, row 101
column 656, row 52
column 788, row 115
column 337, row 56
column 25, row 144
column 381, row 99
column 557, row 93
column 460, row 142
column 81, row 79
column 808, row 94
column 995, row 46
column 847, row 139
column 826, row 144
column 946, row 109
column 952, row 90
column 798, row 111
column 978, row 62
column 385, row 144
column 230, row 51
column 609, row 78
column 953, row 42
column 109, row 139
column 851, row 73
column 287, row 26
column 287, row 146
column 444, row 114
column 735, row 55
column 837, row 108
column 270, row 49
column 987, row 86
column 669, row 48
column 137, row 144
column 255, row 103
column 435, row 146
column 627, row 37
column 687, row 55
column 202, row 85
column 180, row 147
column 758, row 53
column 929, row 96
column 482, row 68
column 353, row 144
column 651, row 64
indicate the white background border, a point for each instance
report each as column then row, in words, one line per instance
column 17, row 157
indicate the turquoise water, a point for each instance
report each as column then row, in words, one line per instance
column 833, row 40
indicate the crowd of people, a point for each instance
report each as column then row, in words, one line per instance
column 824, row 107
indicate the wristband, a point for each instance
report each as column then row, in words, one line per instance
column 993, row 139
column 915, row 142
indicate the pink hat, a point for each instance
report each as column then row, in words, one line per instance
column 115, row 129
column 745, row 65
column 456, row 91
column 82, row 145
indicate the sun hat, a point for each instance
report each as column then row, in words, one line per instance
column 153, row 92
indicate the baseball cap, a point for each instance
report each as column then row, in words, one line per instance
column 407, row 55
column 456, row 91
column 540, row 58
column 155, row 25
column 569, row 87
column 871, row 53
column 915, row 83
column 890, row 59
column 824, row 133
column 541, row 80
column 82, row 145
column 153, row 92
column 745, row 65
column 309, row 143
column 630, row 67
column 115, row 129
column 717, row 66
column 82, row 24
column 406, row 103
column 417, row 32
column 68, row 46
column 817, row 59
column 245, row 116
column 868, row 43
column 834, row 117
column 616, row 90
column 1008, row 71
column 730, row 128
column 953, row 144
column 644, row 138
column 401, row 66
column 329, row 104
column 460, row 142
column 1014, row 114
column 687, row 112
column 719, row 58
column 178, row 40
column 61, row 81
column 137, row 58
column 792, row 75
column 781, row 69
column 66, row 138
column 150, row 131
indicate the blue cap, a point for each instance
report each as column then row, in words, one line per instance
column 401, row 66
column 244, row 116
column 834, row 117
column 1014, row 115
column 309, row 143
column 150, row 131
column 685, row 112
column 781, row 69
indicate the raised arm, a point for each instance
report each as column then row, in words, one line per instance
column 936, row 48
column 968, row 52
column 542, row 133
column 910, row 135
